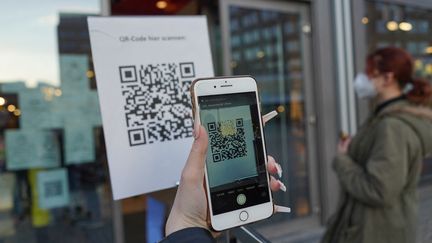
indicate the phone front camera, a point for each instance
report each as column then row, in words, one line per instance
column 214, row 86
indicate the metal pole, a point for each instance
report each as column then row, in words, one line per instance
column 117, row 218
column 349, row 52
column 247, row 234
column 345, row 67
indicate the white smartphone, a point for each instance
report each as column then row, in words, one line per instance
column 236, row 177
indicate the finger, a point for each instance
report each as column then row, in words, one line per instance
column 346, row 143
column 281, row 209
column 276, row 185
column 341, row 145
column 273, row 167
column 267, row 117
column 194, row 168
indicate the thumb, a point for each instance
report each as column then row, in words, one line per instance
column 194, row 168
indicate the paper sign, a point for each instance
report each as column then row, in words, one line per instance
column 79, row 144
column 36, row 108
column 53, row 188
column 73, row 69
column 79, row 107
column 7, row 183
column 31, row 149
column 73, row 108
column 144, row 67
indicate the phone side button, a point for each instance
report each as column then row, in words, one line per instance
column 243, row 215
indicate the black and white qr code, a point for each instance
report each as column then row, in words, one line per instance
column 53, row 189
column 157, row 101
column 227, row 139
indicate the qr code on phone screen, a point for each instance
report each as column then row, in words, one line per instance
column 157, row 102
column 227, row 139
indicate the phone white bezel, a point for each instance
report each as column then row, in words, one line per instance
column 230, row 85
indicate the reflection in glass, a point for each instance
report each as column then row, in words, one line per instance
column 53, row 176
column 267, row 45
column 406, row 27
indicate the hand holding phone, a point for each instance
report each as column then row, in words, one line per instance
column 236, row 177
column 190, row 204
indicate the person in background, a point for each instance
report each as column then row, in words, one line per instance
column 187, row 221
column 379, row 168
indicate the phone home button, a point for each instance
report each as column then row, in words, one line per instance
column 243, row 215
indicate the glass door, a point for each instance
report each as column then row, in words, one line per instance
column 270, row 40
column 408, row 27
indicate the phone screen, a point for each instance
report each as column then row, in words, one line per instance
column 235, row 159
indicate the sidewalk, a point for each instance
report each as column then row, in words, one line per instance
column 424, row 234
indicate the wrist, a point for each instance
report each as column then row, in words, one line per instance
column 178, row 222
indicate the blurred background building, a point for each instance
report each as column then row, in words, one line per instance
column 54, row 182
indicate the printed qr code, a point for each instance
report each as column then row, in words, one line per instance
column 53, row 188
column 227, row 139
column 157, row 101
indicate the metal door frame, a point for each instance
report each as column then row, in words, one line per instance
column 303, row 9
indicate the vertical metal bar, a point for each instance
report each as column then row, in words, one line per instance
column 341, row 74
column 249, row 235
column 349, row 66
column 345, row 66
column 310, row 111
column 282, row 95
column 117, row 215
column 324, row 55
column 227, row 236
column 118, row 222
column 225, row 29
column 105, row 7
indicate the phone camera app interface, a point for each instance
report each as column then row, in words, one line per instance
column 235, row 159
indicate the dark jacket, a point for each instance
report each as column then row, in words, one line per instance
column 379, row 177
column 190, row 235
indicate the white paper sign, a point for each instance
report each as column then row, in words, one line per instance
column 79, row 144
column 30, row 148
column 144, row 67
column 53, row 188
column 73, row 70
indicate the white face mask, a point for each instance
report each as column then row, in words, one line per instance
column 364, row 87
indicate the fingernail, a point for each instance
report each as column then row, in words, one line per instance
column 196, row 130
column 282, row 186
column 279, row 170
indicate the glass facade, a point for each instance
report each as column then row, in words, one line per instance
column 267, row 44
column 54, row 181
column 408, row 27
column 54, row 164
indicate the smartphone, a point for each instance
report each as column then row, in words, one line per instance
column 236, row 177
